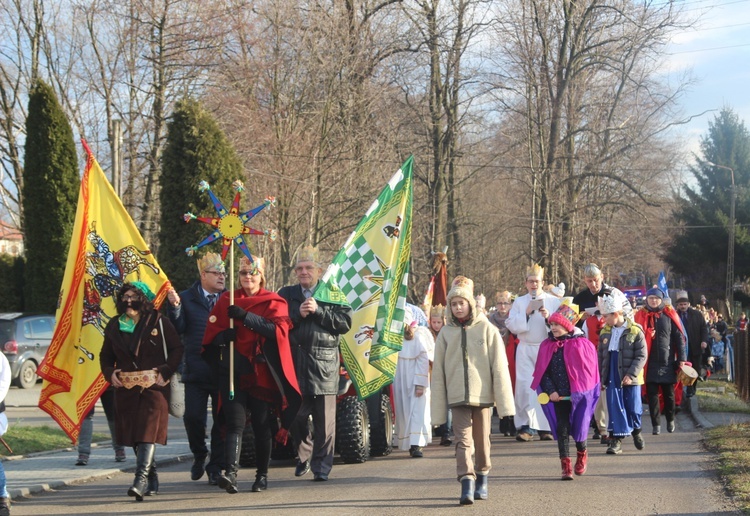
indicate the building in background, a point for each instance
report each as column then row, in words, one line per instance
column 11, row 240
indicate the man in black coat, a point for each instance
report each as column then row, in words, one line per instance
column 696, row 331
column 315, row 347
column 189, row 312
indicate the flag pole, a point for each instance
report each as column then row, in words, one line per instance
column 231, row 321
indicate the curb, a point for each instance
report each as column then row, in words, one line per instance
column 56, row 484
column 698, row 418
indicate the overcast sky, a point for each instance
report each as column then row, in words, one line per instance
column 718, row 52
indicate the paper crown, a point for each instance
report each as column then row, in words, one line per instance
column 437, row 311
column 210, row 261
column 535, row 271
column 503, row 296
column 609, row 304
column 308, row 253
column 257, row 263
column 566, row 315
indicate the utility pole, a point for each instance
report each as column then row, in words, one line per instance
column 730, row 244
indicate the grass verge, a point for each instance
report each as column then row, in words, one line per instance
column 729, row 443
column 31, row 439
column 716, row 401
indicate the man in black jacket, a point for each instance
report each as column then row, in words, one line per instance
column 189, row 312
column 315, row 346
column 696, row 331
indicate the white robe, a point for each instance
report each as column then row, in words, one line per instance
column 413, row 426
column 530, row 335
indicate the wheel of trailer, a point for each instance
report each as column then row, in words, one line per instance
column 381, row 424
column 352, row 430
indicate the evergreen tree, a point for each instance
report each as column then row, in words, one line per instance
column 699, row 251
column 196, row 150
column 50, row 192
column 11, row 278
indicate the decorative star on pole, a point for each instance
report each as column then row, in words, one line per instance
column 230, row 225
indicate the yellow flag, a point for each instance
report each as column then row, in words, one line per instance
column 105, row 251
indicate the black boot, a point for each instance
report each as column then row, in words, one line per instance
column 232, row 446
column 260, row 484
column 144, row 461
column 467, row 490
column 153, row 481
column 480, row 489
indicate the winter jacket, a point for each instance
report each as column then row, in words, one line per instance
column 189, row 319
column 667, row 349
column 470, row 368
column 697, row 332
column 315, row 342
column 632, row 353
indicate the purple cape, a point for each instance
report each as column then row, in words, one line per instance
column 582, row 365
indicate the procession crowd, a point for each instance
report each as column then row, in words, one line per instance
column 548, row 366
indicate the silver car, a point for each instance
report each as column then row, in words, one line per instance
column 25, row 339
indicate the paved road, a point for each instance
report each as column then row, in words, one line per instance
column 671, row 476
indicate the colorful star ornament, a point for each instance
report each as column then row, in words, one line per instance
column 230, row 225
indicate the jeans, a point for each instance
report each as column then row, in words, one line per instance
column 3, row 483
column 87, row 425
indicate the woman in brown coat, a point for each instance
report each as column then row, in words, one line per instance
column 141, row 351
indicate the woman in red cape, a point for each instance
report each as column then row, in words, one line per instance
column 264, row 374
column 671, row 351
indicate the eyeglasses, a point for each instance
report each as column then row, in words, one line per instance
column 253, row 272
column 129, row 298
column 502, row 303
column 216, row 273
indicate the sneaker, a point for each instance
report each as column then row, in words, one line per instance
column 524, row 436
column 82, row 460
column 615, row 447
column 120, row 456
column 638, row 441
column 417, row 453
column 670, row 426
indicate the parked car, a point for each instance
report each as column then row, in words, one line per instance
column 25, row 338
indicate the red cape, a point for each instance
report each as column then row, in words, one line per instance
column 267, row 304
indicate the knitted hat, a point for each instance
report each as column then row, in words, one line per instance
column 611, row 303
column 211, row 261
column 463, row 287
column 655, row 292
column 566, row 315
column 145, row 290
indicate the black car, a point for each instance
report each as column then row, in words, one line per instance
column 25, row 339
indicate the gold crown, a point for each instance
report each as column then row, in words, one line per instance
column 257, row 263
column 437, row 311
column 210, row 261
column 535, row 271
column 309, row 253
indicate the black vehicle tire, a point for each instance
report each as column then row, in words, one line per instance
column 352, row 430
column 247, row 452
column 381, row 424
column 27, row 375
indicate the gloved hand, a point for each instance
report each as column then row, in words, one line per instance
column 229, row 335
column 235, row 312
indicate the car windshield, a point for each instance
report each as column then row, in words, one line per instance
column 6, row 331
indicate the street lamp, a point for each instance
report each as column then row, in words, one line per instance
column 730, row 246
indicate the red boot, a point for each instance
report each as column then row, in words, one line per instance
column 567, row 469
column 583, row 457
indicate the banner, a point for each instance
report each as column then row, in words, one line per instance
column 370, row 274
column 105, row 251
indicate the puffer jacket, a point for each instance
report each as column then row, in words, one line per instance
column 315, row 342
column 632, row 353
column 470, row 368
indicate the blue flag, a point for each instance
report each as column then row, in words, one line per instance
column 663, row 283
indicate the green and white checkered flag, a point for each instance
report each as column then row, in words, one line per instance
column 370, row 274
